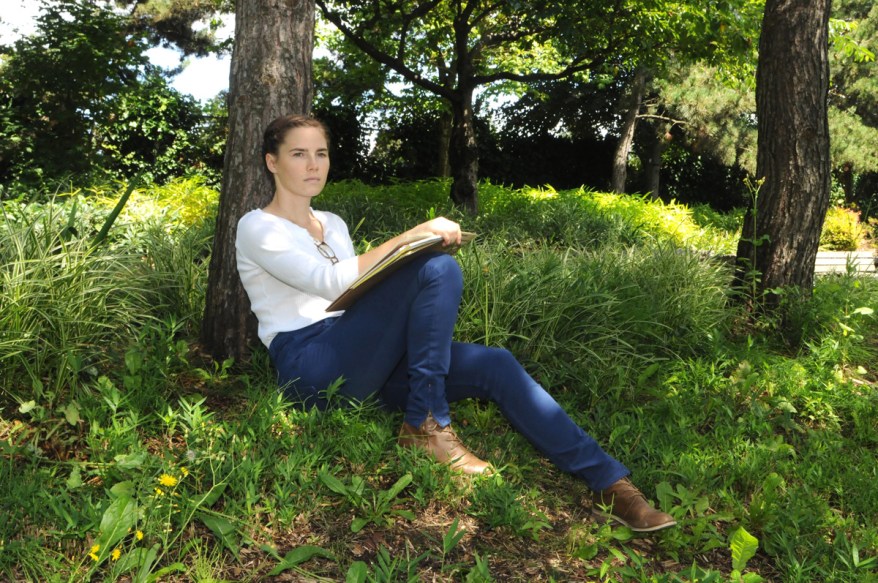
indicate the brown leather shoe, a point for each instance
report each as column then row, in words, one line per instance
column 443, row 444
column 627, row 505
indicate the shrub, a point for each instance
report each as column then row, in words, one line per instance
column 842, row 230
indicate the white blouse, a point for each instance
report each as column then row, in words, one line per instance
column 290, row 284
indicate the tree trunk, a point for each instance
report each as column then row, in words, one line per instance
column 629, row 122
column 270, row 76
column 443, row 166
column 846, row 180
column 661, row 139
column 464, row 154
column 782, row 229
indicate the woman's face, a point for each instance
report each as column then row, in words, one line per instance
column 301, row 164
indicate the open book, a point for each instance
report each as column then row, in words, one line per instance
column 393, row 260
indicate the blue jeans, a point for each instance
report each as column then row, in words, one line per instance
column 396, row 343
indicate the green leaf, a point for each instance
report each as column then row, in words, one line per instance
column 172, row 568
column 333, row 484
column 111, row 218
column 407, row 514
column 587, row 552
column 648, row 373
column 222, row 529
column 213, row 495
column 300, row 555
column 119, row 517
column 27, row 407
column 452, row 537
column 743, row 546
column 71, row 413
column 133, row 361
column 399, row 486
column 357, row 524
column 145, row 560
column 122, row 489
column 357, row 572
column 129, row 461
column 665, row 494
column 75, row 479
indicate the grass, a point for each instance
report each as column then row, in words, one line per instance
column 125, row 455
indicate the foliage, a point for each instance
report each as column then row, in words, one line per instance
column 450, row 50
column 178, row 23
column 842, row 230
column 157, row 132
column 715, row 113
column 71, row 307
column 760, row 441
column 55, row 87
column 79, row 101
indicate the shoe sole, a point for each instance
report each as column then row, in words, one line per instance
column 605, row 517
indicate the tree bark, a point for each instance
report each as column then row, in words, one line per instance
column 464, row 154
column 661, row 139
column 782, row 228
column 270, row 76
column 629, row 124
column 443, row 166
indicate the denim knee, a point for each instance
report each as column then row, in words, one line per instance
column 442, row 268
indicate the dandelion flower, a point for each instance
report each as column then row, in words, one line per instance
column 138, row 535
column 93, row 553
column 159, row 492
column 184, row 471
column 168, row 480
column 117, row 552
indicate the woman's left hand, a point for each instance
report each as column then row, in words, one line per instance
column 445, row 228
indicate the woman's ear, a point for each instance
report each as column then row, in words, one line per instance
column 271, row 163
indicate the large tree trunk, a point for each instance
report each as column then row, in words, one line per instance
column 631, row 107
column 464, row 155
column 270, row 76
column 782, row 230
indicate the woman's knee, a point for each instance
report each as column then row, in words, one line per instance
column 444, row 269
column 502, row 368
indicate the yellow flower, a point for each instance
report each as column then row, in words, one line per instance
column 159, row 492
column 138, row 535
column 117, row 552
column 93, row 553
column 184, row 471
column 168, row 480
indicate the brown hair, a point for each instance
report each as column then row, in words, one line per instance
column 277, row 131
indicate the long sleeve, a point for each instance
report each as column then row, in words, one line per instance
column 289, row 283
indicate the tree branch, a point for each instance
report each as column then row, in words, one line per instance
column 382, row 57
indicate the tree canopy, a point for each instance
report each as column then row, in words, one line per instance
column 392, row 116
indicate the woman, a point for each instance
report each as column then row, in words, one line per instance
column 395, row 342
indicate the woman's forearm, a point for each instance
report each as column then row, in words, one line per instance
column 448, row 230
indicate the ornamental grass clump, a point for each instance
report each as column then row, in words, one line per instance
column 66, row 304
